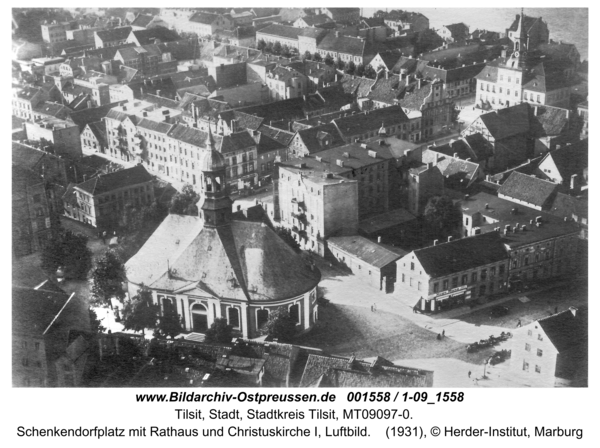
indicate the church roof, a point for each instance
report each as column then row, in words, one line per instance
column 244, row 260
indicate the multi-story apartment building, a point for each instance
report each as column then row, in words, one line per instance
column 145, row 58
column 452, row 273
column 285, row 83
column 102, row 200
column 314, row 204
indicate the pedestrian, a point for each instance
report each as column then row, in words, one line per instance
column 469, row 374
column 439, row 337
column 518, row 323
column 443, row 333
column 104, row 237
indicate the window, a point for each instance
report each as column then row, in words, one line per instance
column 528, row 347
column 525, row 366
column 473, row 277
column 455, row 282
column 482, row 290
column 538, row 369
column 37, row 346
column 262, row 316
column 412, row 266
column 464, row 280
column 233, row 317
column 540, row 352
column 529, row 333
column 501, row 270
column 418, row 285
column 436, row 287
column 295, row 313
column 403, row 278
column 540, row 338
column 445, row 285
column 483, row 274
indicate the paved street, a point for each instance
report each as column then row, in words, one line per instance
column 393, row 331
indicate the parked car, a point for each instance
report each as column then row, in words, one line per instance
column 499, row 311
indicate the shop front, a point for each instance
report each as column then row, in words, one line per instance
column 446, row 300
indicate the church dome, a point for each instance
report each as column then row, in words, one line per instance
column 212, row 161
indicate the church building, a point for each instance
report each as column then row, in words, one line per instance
column 217, row 266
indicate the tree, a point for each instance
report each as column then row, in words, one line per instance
column 329, row 59
column 285, row 51
column 370, row 72
column 184, row 202
column 340, row 64
column 261, row 44
column 307, row 55
column 141, row 312
column 170, row 323
column 427, row 40
column 269, row 47
column 277, row 48
column 350, row 67
column 360, row 70
column 107, row 279
column 70, row 251
column 220, row 331
column 280, row 325
column 441, row 216
column 95, row 323
column 317, row 57
column 287, row 237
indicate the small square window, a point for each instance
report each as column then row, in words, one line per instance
column 540, row 352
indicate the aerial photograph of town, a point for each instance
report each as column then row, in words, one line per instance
column 299, row 197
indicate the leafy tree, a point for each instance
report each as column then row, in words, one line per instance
column 141, row 312
column 184, row 202
column 329, row 59
column 277, row 48
column 261, row 44
column 219, row 331
column 427, row 40
column 307, row 55
column 170, row 323
column 107, row 279
column 280, row 325
column 441, row 215
column 350, row 67
column 360, row 70
column 317, row 57
column 370, row 72
column 70, row 251
column 269, row 47
column 380, row 14
column 288, row 238
column 95, row 323
column 340, row 64
column 285, row 51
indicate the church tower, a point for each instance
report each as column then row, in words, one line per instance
column 215, row 208
column 521, row 38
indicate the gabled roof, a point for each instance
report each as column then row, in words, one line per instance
column 155, row 35
column 528, row 22
column 565, row 330
column 549, row 121
column 313, row 137
column 415, row 98
column 507, row 122
column 282, row 136
column 363, row 123
column 458, row 30
column 113, row 181
column 34, row 310
column 114, row 34
column 529, row 189
column 389, row 58
column 388, row 90
column 266, row 144
column 358, row 87
column 462, row 254
column 317, row 19
column 98, row 128
column 342, row 44
column 366, row 250
column 569, row 160
column 287, row 32
column 56, row 110
column 247, row 121
column 565, row 205
column 142, row 20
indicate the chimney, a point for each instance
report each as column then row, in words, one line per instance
column 435, row 242
column 535, row 111
column 379, row 239
column 449, row 238
column 456, row 155
column 337, row 34
column 158, row 92
column 573, row 311
column 419, row 83
column 574, row 182
column 89, row 104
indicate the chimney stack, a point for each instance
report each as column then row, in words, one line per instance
column 573, row 311
column 449, row 238
column 435, row 242
column 379, row 239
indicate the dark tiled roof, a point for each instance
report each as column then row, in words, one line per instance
column 528, row 22
column 481, row 148
column 366, row 250
column 142, row 20
column 155, row 126
column 118, row 179
column 98, row 128
column 342, row 44
column 90, row 115
column 161, row 101
column 564, row 330
column 557, row 51
column 266, row 144
column 316, row 20
column 54, row 109
column 415, row 98
column 359, row 87
column 461, row 255
column 261, row 265
column 390, row 58
column 34, row 310
column 288, row 32
column 333, row 371
column 373, row 120
column 313, row 137
column 388, row 91
column 529, row 189
column 155, row 35
column 507, row 122
column 570, row 160
column 279, row 135
column 189, row 135
column 458, row 30
column 565, row 205
column 247, row 121
column 114, row 34
column 235, row 142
